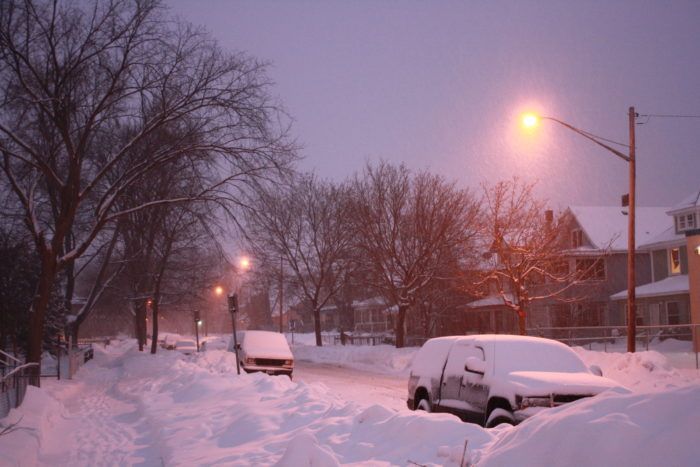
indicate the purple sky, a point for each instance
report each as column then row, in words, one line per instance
column 439, row 85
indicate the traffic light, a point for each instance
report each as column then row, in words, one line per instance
column 196, row 317
column 233, row 303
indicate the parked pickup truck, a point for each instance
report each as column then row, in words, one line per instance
column 493, row 379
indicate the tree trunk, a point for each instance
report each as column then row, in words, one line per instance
column 154, row 331
column 140, row 324
column 70, row 279
column 73, row 329
column 400, row 320
column 38, row 311
column 317, row 326
column 521, row 321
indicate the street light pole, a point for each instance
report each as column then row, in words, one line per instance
column 631, row 278
column 531, row 120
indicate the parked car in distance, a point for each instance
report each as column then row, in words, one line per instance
column 265, row 351
column 186, row 346
column 168, row 341
column 492, row 379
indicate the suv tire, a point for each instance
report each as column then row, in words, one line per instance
column 498, row 416
column 424, row 404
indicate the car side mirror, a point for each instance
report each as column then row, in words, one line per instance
column 475, row 365
column 595, row 369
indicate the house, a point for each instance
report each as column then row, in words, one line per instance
column 596, row 237
column 673, row 253
column 374, row 316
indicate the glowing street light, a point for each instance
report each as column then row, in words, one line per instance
column 245, row 263
column 530, row 121
column 218, row 290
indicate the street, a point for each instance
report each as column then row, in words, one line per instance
column 355, row 385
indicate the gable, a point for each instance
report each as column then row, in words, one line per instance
column 606, row 226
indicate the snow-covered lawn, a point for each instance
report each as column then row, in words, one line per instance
column 131, row 408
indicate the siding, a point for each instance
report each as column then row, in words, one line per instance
column 660, row 265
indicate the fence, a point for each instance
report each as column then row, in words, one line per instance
column 13, row 383
column 608, row 336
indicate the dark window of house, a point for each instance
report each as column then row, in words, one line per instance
column 673, row 313
column 576, row 238
column 590, row 269
column 560, row 267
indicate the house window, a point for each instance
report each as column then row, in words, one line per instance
column 576, row 238
column 675, row 259
column 673, row 313
column 685, row 222
column 590, row 269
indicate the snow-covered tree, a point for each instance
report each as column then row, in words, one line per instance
column 307, row 226
column 82, row 84
column 406, row 226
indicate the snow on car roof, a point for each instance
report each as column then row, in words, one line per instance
column 266, row 343
column 527, row 353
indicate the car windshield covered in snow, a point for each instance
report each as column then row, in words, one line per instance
column 541, row 355
column 266, row 352
column 269, row 344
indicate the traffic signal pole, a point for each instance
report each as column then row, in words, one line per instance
column 233, row 309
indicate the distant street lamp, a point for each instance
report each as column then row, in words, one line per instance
column 531, row 121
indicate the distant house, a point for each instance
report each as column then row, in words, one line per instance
column 373, row 316
column 666, row 298
column 598, row 236
column 597, row 239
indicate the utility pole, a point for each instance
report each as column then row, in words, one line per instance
column 631, row 299
column 281, row 286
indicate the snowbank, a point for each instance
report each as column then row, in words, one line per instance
column 127, row 407
column 33, row 421
column 636, row 430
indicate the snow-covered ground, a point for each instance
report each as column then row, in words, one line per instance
column 131, row 408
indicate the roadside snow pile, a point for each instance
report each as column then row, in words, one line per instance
column 641, row 371
column 127, row 407
column 614, row 428
column 33, row 421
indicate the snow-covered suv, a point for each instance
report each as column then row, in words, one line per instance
column 493, row 379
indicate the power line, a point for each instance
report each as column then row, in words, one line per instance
column 669, row 115
column 593, row 135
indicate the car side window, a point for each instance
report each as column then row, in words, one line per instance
column 458, row 357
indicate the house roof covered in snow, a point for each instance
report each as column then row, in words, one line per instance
column 666, row 237
column 606, row 226
column 491, row 300
column 672, row 285
column 691, row 201
column 374, row 302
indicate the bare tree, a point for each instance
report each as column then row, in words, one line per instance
column 83, row 84
column 307, row 226
column 406, row 227
column 528, row 248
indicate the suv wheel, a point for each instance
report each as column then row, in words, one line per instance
column 498, row 416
